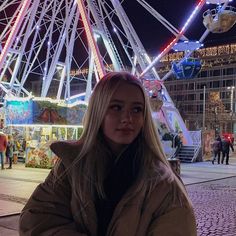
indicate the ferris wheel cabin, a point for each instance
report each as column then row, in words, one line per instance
column 219, row 20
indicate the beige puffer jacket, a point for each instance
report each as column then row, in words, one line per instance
column 53, row 209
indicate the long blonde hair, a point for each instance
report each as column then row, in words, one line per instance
column 90, row 165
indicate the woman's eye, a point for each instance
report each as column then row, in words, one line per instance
column 137, row 109
column 115, row 107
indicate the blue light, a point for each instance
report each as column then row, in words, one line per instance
column 188, row 68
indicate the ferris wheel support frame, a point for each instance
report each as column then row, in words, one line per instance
column 29, row 64
column 102, row 30
column 51, row 70
column 160, row 18
column 30, row 16
column 133, row 38
column 90, row 74
column 169, row 47
column 14, row 31
column 91, row 40
column 190, row 53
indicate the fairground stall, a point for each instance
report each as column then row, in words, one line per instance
column 35, row 123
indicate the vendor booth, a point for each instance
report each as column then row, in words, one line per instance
column 35, row 123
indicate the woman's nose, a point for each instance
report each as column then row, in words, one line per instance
column 126, row 116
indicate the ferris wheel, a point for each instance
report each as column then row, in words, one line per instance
column 68, row 45
column 47, row 40
column 54, row 41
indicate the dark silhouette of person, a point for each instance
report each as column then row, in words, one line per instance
column 216, row 148
column 226, row 145
column 177, row 141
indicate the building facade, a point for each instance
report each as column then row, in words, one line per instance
column 210, row 97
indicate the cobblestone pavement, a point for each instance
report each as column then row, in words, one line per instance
column 215, row 207
column 9, row 225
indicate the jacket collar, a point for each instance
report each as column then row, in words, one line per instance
column 67, row 151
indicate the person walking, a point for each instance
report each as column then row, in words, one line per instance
column 216, row 148
column 9, row 151
column 3, row 146
column 226, row 145
column 114, row 180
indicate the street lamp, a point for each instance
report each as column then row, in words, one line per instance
column 204, row 109
column 231, row 106
column 215, row 112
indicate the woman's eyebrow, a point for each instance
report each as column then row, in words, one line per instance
column 138, row 103
column 122, row 101
column 117, row 100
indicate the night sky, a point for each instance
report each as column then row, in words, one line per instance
column 155, row 37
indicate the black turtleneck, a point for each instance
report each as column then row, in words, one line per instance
column 121, row 175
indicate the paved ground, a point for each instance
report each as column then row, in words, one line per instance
column 212, row 189
column 215, row 207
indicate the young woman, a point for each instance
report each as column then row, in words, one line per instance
column 115, row 180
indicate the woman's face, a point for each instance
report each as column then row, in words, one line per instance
column 124, row 117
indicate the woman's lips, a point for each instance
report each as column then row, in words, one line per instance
column 125, row 130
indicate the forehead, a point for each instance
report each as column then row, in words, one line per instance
column 128, row 93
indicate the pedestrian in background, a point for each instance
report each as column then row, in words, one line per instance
column 226, row 145
column 3, row 146
column 9, row 150
column 177, row 143
column 216, row 149
column 115, row 180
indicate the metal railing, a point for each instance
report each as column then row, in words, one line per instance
column 197, row 142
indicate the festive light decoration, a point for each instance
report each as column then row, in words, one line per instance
column 172, row 43
column 91, row 40
column 14, row 31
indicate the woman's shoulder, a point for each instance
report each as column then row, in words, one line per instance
column 168, row 193
column 66, row 150
column 165, row 181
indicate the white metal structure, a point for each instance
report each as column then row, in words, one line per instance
column 47, row 40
